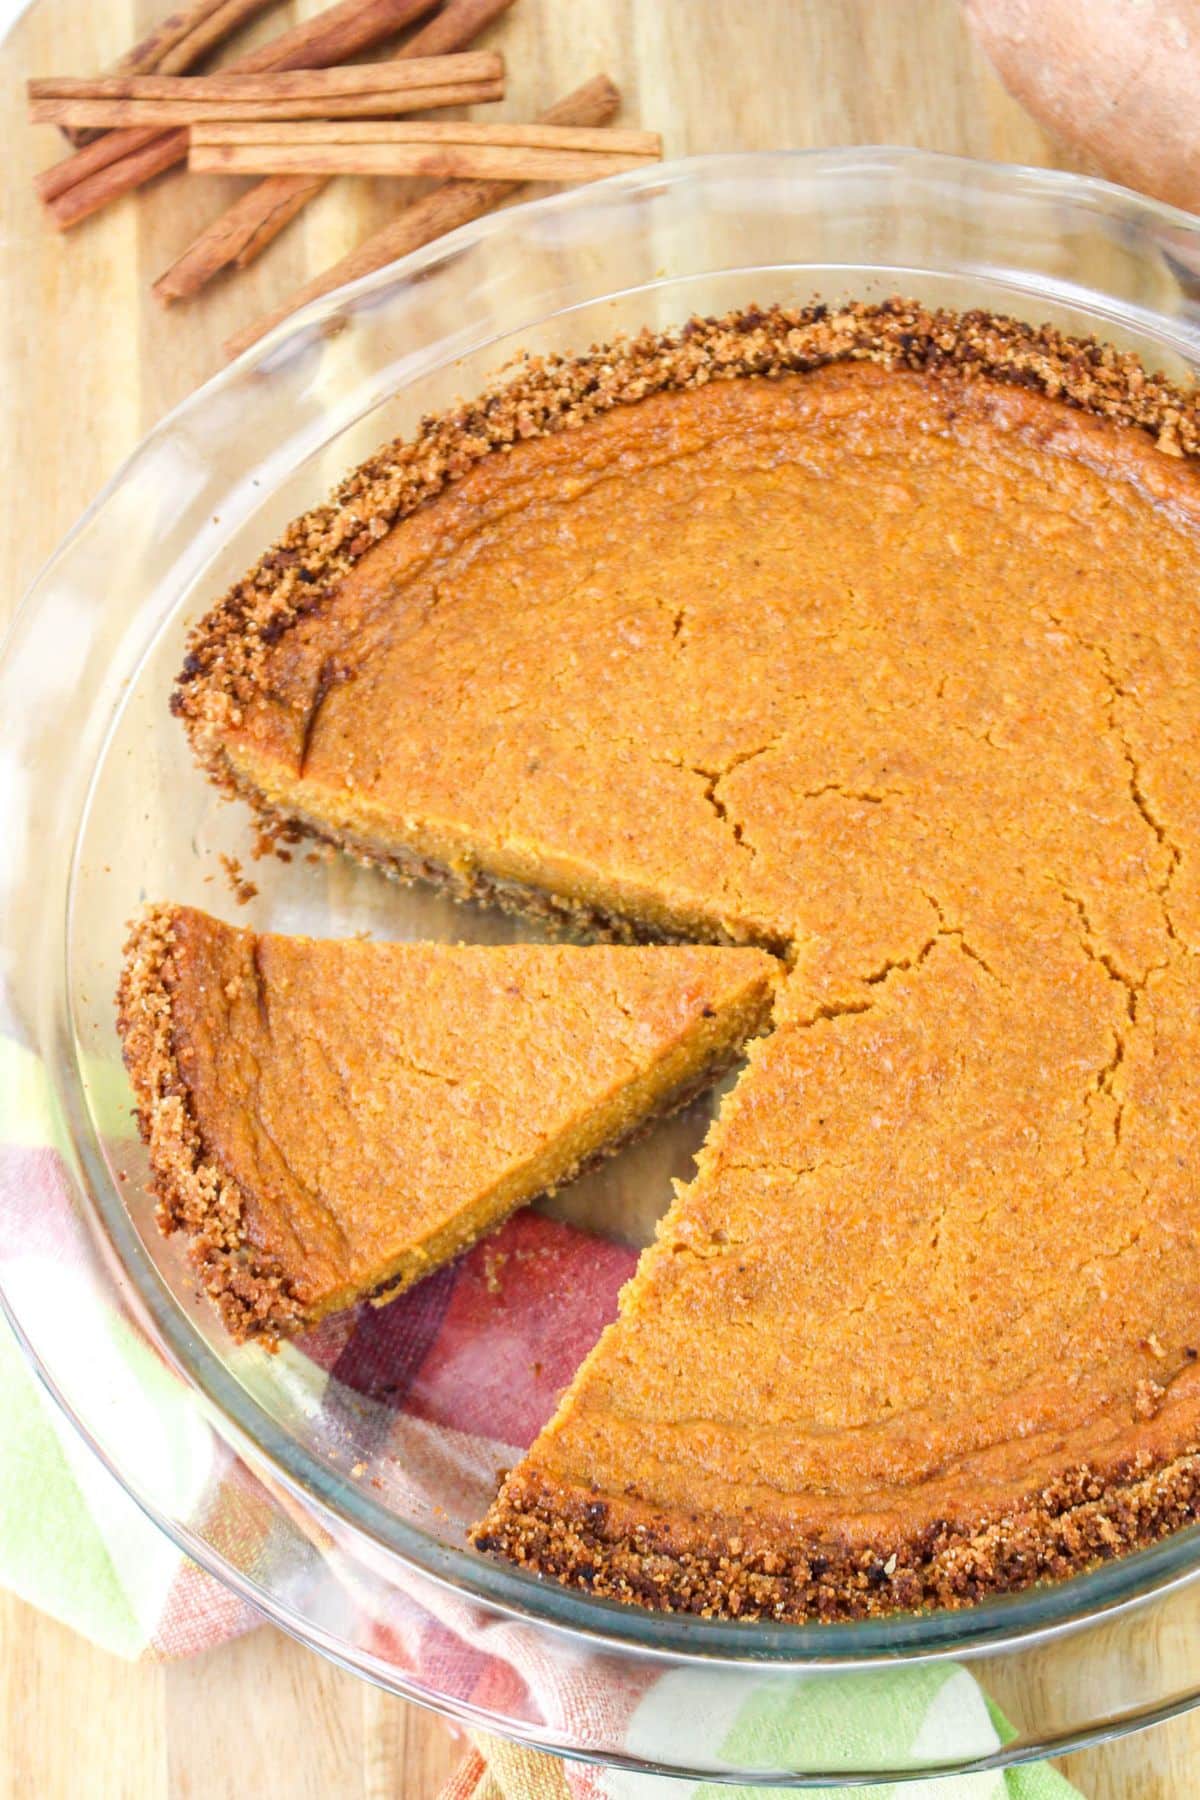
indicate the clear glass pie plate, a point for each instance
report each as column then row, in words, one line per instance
column 325, row 1486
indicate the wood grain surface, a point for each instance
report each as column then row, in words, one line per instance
column 89, row 360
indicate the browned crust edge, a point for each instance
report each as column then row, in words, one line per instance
column 226, row 650
column 620, row 1551
column 195, row 1195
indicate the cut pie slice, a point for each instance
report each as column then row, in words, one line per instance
column 331, row 1120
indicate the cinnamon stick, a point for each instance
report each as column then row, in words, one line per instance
column 179, row 42
column 438, row 162
column 404, row 147
column 111, row 165
column 183, row 113
column 121, row 160
column 445, row 209
column 239, row 234
column 510, row 134
column 397, row 75
column 333, row 36
column 243, row 231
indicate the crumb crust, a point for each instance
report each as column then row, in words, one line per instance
column 193, row 1193
column 623, row 1551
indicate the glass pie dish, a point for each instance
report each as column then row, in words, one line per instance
column 331, row 1484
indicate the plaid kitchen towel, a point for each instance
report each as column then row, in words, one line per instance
column 497, row 1770
column 440, row 1388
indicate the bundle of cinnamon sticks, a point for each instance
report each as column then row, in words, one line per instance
column 298, row 111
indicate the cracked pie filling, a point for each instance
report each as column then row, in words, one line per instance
column 870, row 638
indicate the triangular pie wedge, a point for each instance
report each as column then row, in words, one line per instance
column 331, row 1120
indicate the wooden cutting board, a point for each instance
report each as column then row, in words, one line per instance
column 89, row 361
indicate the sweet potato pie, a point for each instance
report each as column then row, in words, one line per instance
column 866, row 638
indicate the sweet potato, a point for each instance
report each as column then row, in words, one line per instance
column 1117, row 82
